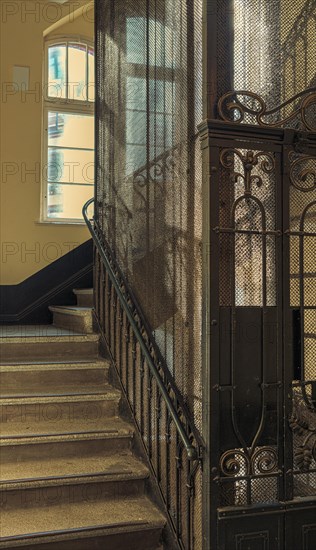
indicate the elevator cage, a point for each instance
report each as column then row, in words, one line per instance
column 206, row 198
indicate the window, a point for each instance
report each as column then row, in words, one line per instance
column 150, row 91
column 68, row 144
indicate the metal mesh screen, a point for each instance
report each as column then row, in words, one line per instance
column 272, row 73
column 149, row 177
column 273, row 61
column 149, row 168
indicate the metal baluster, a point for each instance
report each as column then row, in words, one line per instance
column 150, row 392
column 127, row 342
column 142, row 375
column 134, row 372
column 158, row 452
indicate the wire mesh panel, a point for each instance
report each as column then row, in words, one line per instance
column 261, row 192
column 149, row 176
column 250, row 363
column 149, row 168
column 302, row 235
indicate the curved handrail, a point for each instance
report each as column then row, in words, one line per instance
column 192, row 452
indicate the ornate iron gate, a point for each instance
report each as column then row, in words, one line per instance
column 262, row 213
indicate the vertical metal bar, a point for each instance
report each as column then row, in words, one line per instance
column 120, row 338
column 210, row 336
column 158, row 452
column 127, row 341
column 167, row 469
column 302, row 301
column 287, row 325
column 178, row 483
column 142, row 374
column 134, row 372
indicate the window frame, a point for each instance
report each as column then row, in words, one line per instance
column 61, row 105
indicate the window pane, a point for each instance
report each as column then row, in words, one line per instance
column 77, row 72
column 91, row 81
column 70, row 166
column 136, row 93
column 70, row 130
column 57, row 71
column 66, row 201
column 161, row 45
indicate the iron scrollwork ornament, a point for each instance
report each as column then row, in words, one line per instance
column 244, row 106
column 302, row 172
column 265, row 162
column 303, row 424
column 247, row 462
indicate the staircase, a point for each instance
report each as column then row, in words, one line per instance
column 69, row 477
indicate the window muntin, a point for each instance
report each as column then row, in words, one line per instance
column 71, row 71
column 68, row 145
column 149, row 102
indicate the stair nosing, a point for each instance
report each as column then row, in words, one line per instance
column 53, row 367
column 79, row 311
column 71, row 437
column 77, row 337
column 112, row 394
column 73, row 479
column 88, row 531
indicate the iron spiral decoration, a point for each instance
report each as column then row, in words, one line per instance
column 303, row 425
column 234, row 106
column 302, row 172
column 247, row 462
column 263, row 160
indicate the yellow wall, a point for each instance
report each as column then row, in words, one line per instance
column 26, row 245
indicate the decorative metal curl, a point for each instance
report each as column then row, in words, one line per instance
column 303, row 425
column 230, row 105
column 302, row 178
column 265, row 460
column 249, row 161
column 232, row 462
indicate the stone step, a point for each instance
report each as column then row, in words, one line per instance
column 58, row 408
column 40, row 343
column 84, row 296
column 51, row 482
column 74, row 318
column 53, row 378
column 130, row 523
column 84, row 438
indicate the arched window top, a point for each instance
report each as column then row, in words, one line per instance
column 70, row 70
column 68, row 129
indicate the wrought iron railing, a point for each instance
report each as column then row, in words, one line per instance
column 172, row 443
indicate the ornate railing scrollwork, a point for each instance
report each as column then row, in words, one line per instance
column 242, row 106
column 249, row 160
column 302, row 172
column 249, row 462
column 303, row 425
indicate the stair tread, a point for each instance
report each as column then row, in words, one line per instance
column 59, row 391
column 100, row 392
column 72, row 337
column 24, row 431
column 83, row 291
column 17, row 332
column 123, row 464
column 54, row 366
column 118, row 514
column 72, row 310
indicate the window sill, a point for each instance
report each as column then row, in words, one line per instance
column 61, row 222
